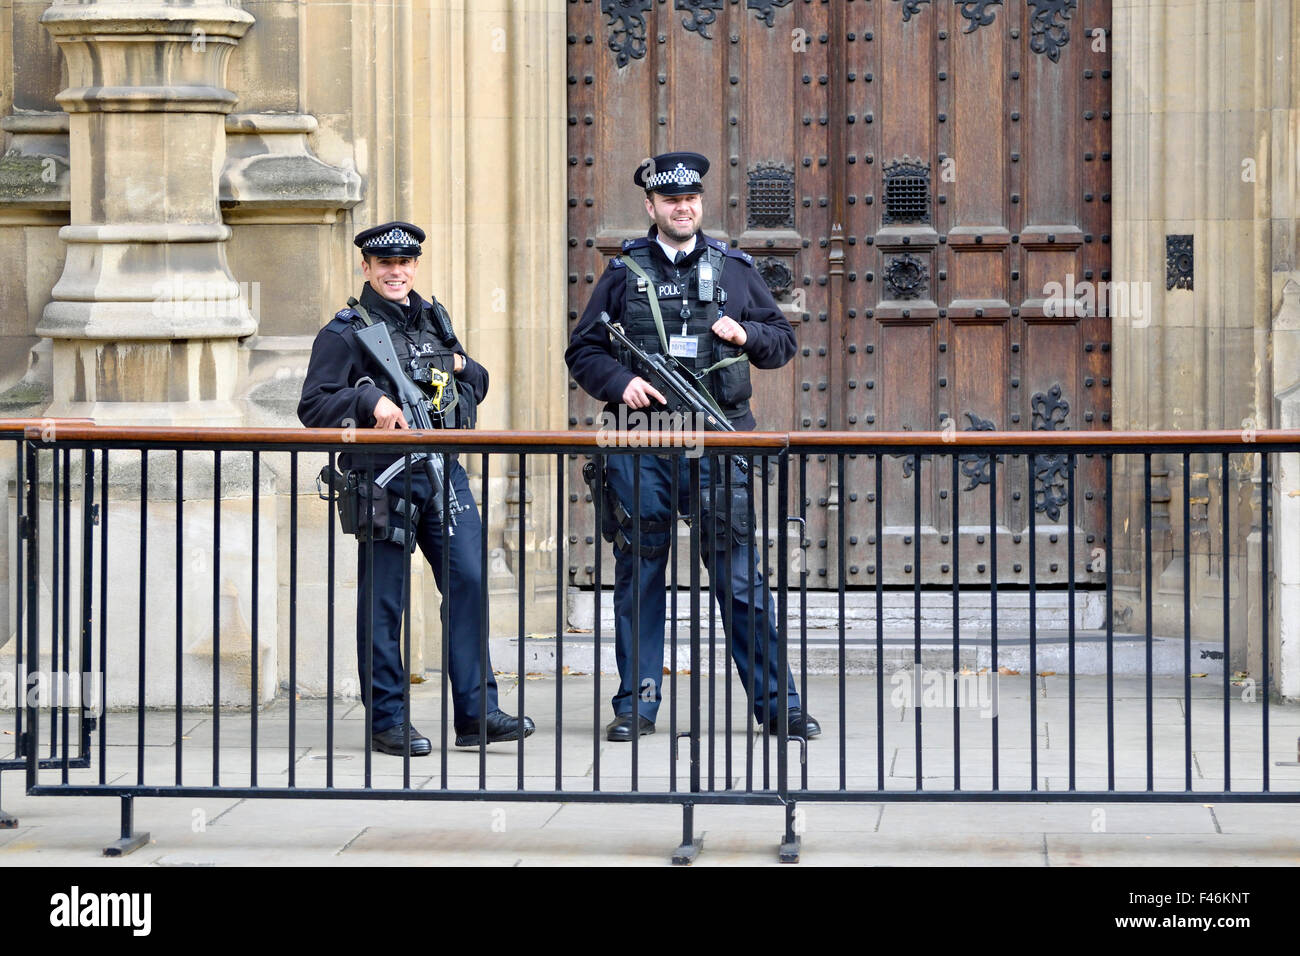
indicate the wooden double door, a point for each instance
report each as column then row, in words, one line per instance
column 925, row 187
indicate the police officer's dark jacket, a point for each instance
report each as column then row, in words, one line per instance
column 334, row 395
column 770, row 340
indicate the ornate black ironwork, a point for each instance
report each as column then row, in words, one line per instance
column 977, row 12
column 776, row 274
column 911, row 8
column 909, row 458
column 703, row 14
column 907, row 190
column 770, row 200
column 906, row 277
column 1180, row 262
column 627, row 36
column 766, row 9
column 1051, row 472
column 1048, row 30
column 974, row 465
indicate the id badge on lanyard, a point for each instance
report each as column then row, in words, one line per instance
column 683, row 346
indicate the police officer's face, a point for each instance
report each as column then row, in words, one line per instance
column 390, row 277
column 677, row 217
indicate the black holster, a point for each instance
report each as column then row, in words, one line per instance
column 367, row 511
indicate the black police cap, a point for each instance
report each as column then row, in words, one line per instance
column 391, row 240
column 674, row 174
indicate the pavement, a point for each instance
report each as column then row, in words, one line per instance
column 1187, row 830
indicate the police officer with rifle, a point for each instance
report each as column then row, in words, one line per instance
column 678, row 293
column 391, row 360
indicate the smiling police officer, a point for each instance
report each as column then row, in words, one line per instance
column 345, row 387
column 679, row 291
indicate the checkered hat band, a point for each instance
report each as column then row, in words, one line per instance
column 679, row 175
column 393, row 237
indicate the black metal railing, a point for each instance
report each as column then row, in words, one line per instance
column 995, row 755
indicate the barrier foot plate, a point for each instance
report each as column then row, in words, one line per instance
column 685, row 854
column 126, row 845
column 789, row 852
column 8, row 822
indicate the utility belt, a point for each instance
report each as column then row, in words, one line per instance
column 617, row 526
column 367, row 510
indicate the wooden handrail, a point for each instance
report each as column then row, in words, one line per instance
column 82, row 430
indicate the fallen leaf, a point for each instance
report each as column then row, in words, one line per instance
column 533, row 676
column 1047, row 673
column 1196, row 675
column 9, row 733
column 984, row 670
column 415, row 679
column 1003, row 669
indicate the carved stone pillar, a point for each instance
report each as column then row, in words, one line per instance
column 146, row 316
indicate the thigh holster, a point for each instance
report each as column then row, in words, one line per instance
column 368, row 511
column 617, row 525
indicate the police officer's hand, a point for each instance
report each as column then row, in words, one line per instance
column 459, row 364
column 729, row 330
column 387, row 414
column 639, row 394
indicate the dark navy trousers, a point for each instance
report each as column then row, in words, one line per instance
column 463, row 589
column 738, row 588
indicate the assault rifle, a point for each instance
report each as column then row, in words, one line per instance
column 376, row 340
column 678, row 384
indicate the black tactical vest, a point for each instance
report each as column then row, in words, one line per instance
column 687, row 320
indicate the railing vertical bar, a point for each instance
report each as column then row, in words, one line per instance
column 180, row 616
column 293, row 617
column 409, row 531
column 768, row 649
column 1149, row 529
column 636, row 619
column 783, row 624
column 1033, row 624
column 87, row 599
column 728, row 622
column 1187, row 621
column 60, row 703
column 444, row 621
column 752, row 689
column 598, row 501
column 841, row 585
column 32, row 604
column 330, row 507
column 57, row 556
column 1072, row 462
column 253, row 625
column 956, row 622
column 674, row 489
column 144, row 576
column 20, row 595
column 1110, row 622
column 916, row 610
column 1227, row 628
column 1265, row 501
column 718, row 592
column 560, row 528
column 803, row 601
column 484, row 624
column 696, row 518
column 103, row 615
column 367, row 600
column 993, row 604
column 521, row 584
column 216, row 615
column 880, row 622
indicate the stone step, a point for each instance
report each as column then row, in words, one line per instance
column 975, row 652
